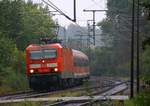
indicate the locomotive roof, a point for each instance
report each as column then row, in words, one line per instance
column 34, row 47
column 55, row 45
column 79, row 54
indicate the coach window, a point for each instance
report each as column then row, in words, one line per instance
column 75, row 61
column 85, row 62
column 78, row 62
column 82, row 62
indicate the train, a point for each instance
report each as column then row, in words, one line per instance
column 54, row 65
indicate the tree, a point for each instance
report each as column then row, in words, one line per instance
column 23, row 21
column 8, row 53
column 36, row 23
column 116, row 34
column 10, row 24
column 20, row 22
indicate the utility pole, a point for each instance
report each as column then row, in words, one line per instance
column 65, row 37
column 94, row 20
column 89, row 36
column 137, row 73
column 132, row 53
column 94, row 26
column 80, row 40
column 89, row 40
column 74, row 11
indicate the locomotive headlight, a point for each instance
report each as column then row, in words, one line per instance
column 56, row 69
column 31, row 71
column 43, row 61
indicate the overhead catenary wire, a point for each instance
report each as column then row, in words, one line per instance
column 62, row 13
column 56, row 8
column 98, row 3
column 52, row 6
column 49, row 3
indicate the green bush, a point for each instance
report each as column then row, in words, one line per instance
column 23, row 104
column 143, row 99
column 146, row 65
column 12, row 67
column 16, row 81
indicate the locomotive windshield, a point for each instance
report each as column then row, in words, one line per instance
column 43, row 54
column 35, row 54
column 51, row 53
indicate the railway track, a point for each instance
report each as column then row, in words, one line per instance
column 32, row 94
column 87, row 102
column 105, row 86
column 16, row 94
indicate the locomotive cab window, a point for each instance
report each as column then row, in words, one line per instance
column 41, row 54
column 35, row 54
column 51, row 53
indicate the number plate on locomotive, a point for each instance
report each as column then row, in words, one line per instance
column 52, row 65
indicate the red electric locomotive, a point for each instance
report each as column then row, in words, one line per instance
column 53, row 65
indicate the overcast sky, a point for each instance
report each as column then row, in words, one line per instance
column 67, row 7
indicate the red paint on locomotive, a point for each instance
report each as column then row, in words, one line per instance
column 54, row 60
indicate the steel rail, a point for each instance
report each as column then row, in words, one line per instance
column 104, row 93
column 30, row 93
